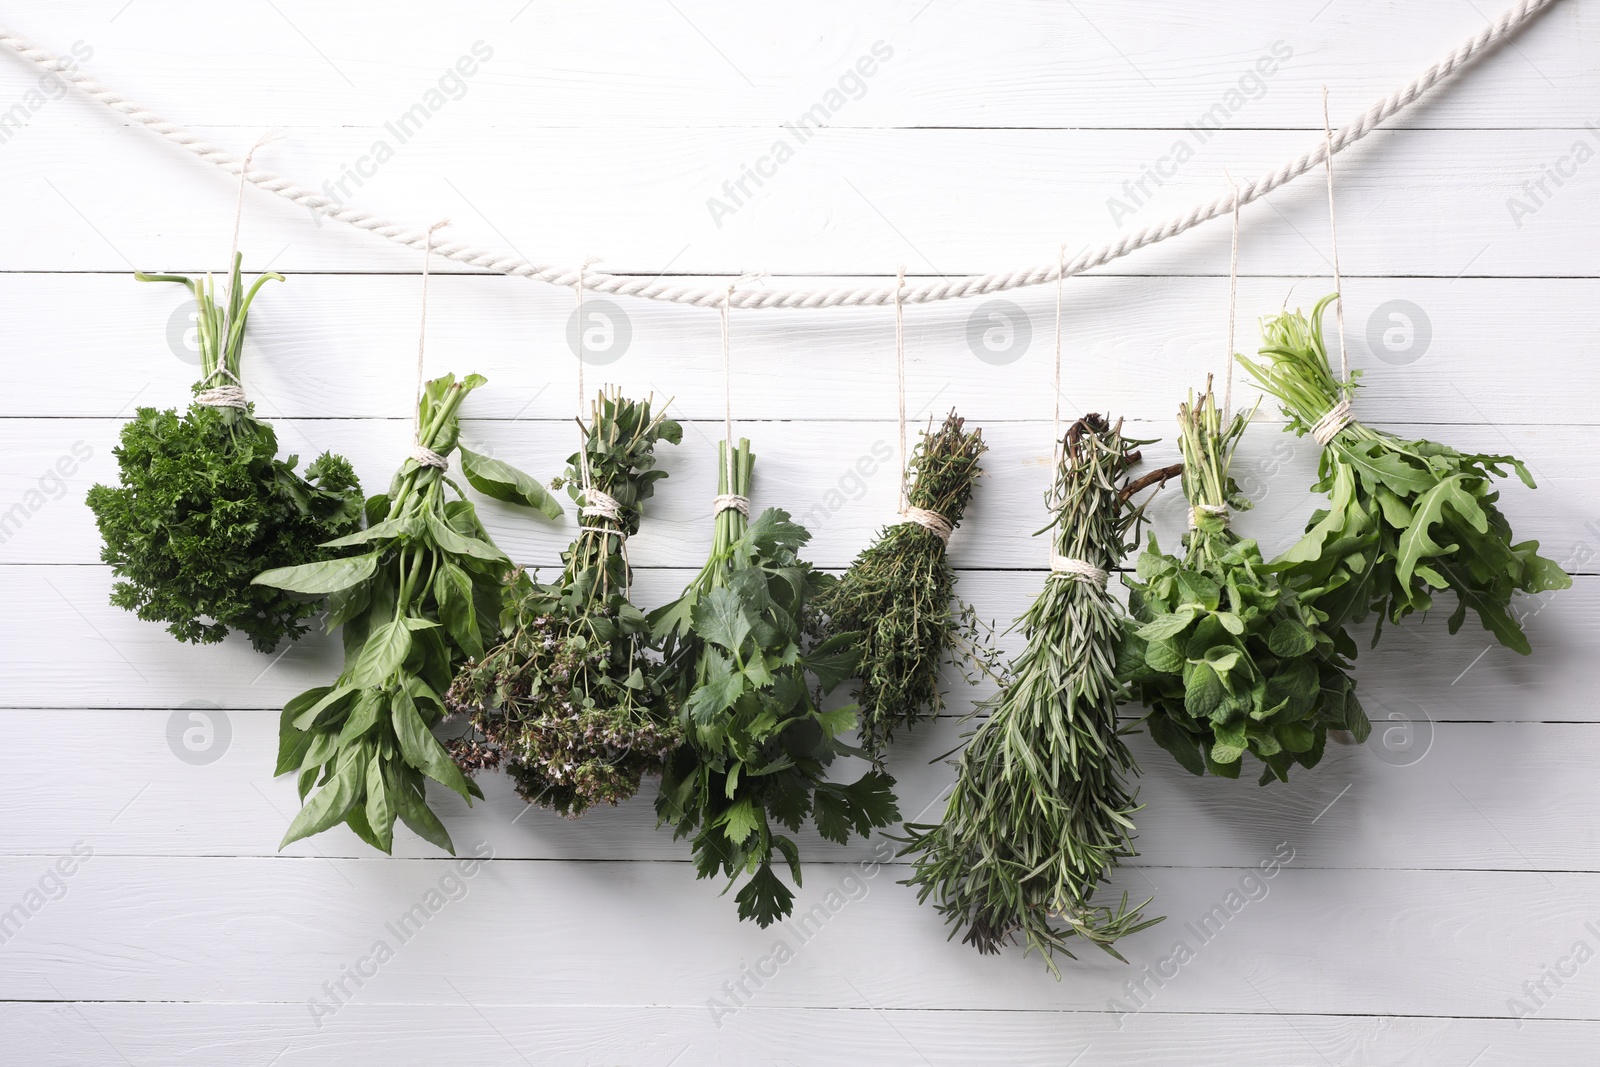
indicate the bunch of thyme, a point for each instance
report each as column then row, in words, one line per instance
column 1042, row 809
column 897, row 595
column 570, row 702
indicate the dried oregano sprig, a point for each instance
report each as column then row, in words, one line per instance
column 1228, row 658
column 204, row 501
column 1042, row 809
column 571, row 703
column 739, row 645
column 419, row 600
column 898, row 593
column 1404, row 518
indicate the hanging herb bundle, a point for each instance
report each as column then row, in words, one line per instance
column 1041, row 809
column 422, row 596
column 570, row 703
column 757, row 744
column 1405, row 519
column 898, row 594
column 1227, row 658
column 204, row 501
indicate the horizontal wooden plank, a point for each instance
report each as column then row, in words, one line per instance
column 839, row 479
column 710, row 63
column 513, row 932
column 71, row 649
column 196, row 780
column 340, row 346
column 935, row 201
column 481, row 1030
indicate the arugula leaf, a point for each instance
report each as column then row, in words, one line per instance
column 1405, row 519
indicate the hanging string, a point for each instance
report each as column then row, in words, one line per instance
column 730, row 501
column 1233, row 301
column 597, row 503
column 1333, row 227
column 727, row 380
column 900, row 376
column 424, row 456
column 232, row 395
column 1055, row 418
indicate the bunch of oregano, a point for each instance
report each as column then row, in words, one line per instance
column 204, row 500
column 1405, row 519
column 898, row 593
column 1041, row 809
column 423, row 595
column 1227, row 657
column 739, row 644
column 571, row 702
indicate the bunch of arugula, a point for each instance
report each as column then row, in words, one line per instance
column 1041, row 809
column 738, row 645
column 571, row 702
column 423, row 596
column 1405, row 519
column 1228, row 658
column 204, row 500
column 898, row 593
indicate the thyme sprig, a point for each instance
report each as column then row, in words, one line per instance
column 898, row 595
column 571, row 702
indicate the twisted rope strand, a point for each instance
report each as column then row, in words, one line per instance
column 701, row 296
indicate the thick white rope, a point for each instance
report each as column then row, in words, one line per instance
column 730, row 502
column 702, row 296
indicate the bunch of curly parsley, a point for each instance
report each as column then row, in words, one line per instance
column 205, row 504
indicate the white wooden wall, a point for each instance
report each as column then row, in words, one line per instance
column 1430, row 879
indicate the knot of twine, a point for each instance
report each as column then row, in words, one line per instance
column 427, row 457
column 1214, row 511
column 1337, row 418
column 598, row 504
column 1078, row 570
column 730, row 502
column 222, row 396
column 931, row 521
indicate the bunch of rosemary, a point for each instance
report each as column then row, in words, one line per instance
column 1041, row 810
column 897, row 594
column 205, row 502
column 1405, row 519
column 757, row 744
column 1228, row 658
column 570, row 702
column 421, row 598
